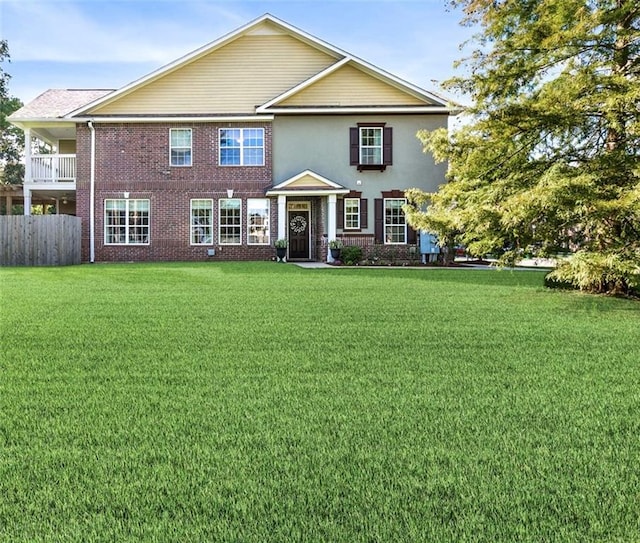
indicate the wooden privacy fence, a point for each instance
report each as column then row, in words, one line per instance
column 40, row 240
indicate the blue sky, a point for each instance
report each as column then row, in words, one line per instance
column 109, row 43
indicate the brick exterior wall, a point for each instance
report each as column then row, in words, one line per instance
column 134, row 158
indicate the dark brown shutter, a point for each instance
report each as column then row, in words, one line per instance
column 340, row 214
column 364, row 215
column 387, row 146
column 411, row 236
column 354, row 146
column 379, row 219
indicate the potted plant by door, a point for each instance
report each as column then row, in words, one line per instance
column 335, row 245
column 281, row 249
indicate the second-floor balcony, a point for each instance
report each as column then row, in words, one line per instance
column 52, row 169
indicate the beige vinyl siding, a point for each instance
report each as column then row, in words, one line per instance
column 232, row 79
column 307, row 182
column 349, row 86
column 67, row 147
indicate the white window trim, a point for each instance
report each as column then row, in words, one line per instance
column 220, row 237
column 268, row 237
column 345, row 227
column 385, row 224
column 126, row 226
column 191, row 225
column 361, row 146
column 171, row 164
column 242, row 148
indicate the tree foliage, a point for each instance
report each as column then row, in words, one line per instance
column 11, row 137
column 550, row 160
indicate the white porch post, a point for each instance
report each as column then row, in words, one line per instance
column 282, row 216
column 331, row 222
column 27, row 155
column 26, row 191
column 27, row 171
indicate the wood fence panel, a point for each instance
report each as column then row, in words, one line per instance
column 40, row 240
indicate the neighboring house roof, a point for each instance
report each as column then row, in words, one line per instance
column 57, row 103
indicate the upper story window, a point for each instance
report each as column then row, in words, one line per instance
column 241, row 147
column 180, row 146
column 126, row 222
column 370, row 146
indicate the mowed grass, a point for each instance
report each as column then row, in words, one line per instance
column 258, row 402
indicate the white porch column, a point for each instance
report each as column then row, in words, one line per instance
column 26, row 191
column 282, row 216
column 27, row 156
column 331, row 222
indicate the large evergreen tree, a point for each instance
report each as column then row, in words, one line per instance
column 551, row 158
column 11, row 137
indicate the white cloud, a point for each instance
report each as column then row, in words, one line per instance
column 63, row 31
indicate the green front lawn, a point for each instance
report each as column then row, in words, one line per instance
column 259, row 402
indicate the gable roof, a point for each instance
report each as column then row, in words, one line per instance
column 307, row 183
column 328, row 60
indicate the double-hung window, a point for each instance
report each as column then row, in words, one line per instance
column 180, row 146
column 241, row 147
column 370, row 146
column 202, row 222
column 395, row 225
column 258, row 221
column 352, row 213
column 126, row 222
column 230, row 221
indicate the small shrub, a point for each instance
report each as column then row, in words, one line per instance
column 351, row 254
column 597, row 273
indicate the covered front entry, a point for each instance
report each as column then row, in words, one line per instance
column 307, row 225
column 299, row 221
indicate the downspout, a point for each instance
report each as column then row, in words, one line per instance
column 92, row 196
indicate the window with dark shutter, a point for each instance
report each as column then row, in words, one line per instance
column 371, row 146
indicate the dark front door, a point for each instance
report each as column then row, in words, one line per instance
column 299, row 234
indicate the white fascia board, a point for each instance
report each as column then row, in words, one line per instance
column 362, row 110
column 180, row 119
column 305, row 192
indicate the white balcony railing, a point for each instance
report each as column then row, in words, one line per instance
column 53, row 168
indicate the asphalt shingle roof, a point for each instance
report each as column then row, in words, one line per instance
column 56, row 103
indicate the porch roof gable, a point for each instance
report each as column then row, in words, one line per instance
column 307, row 183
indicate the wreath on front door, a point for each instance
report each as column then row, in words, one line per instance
column 298, row 224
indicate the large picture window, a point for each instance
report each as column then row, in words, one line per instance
column 230, row 221
column 241, row 147
column 352, row 213
column 126, row 222
column 395, row 225
column 180, row 146
column 258, row 221
column 201, row 222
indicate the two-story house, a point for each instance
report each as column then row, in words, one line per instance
column 266, row 133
